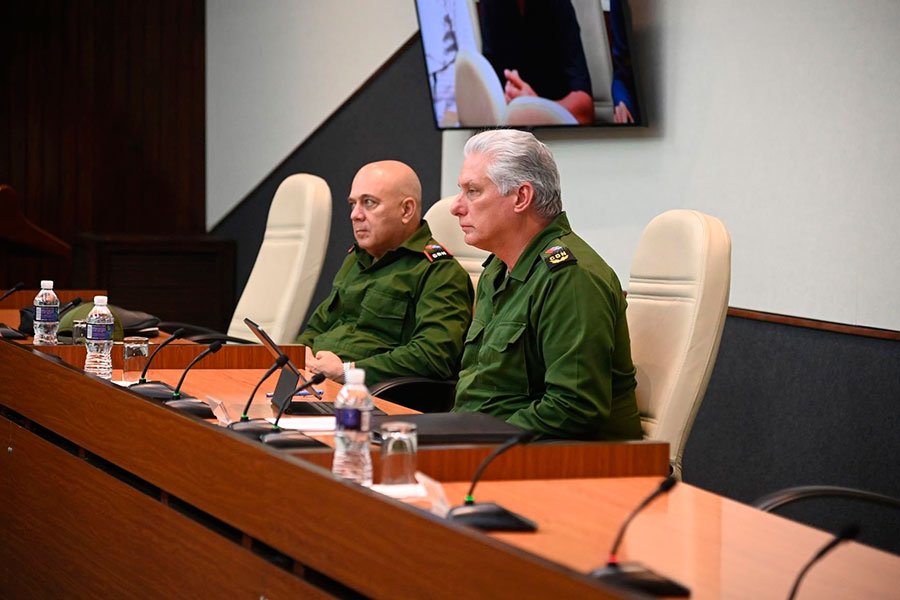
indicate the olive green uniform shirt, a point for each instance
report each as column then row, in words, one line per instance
column 548, row 348
column 403, row 315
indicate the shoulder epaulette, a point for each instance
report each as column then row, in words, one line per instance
column 558, row 256
column 435, row 251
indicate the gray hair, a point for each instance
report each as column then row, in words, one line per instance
column 517, row 157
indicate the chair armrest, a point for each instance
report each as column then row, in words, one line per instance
column 418, row 393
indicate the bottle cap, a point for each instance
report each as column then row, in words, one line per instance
column 46, row 284
column 99, row 300
column 356, row 377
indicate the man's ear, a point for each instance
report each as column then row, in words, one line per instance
column 408, row 209
column 524, row 196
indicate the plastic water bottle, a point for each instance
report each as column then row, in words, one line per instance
column 353, row 430
column 99, row 339
column 46, row 315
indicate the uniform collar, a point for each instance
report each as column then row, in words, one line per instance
column 558, row 227
column 414, row 243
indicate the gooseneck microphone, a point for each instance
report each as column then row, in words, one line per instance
column 488, row 515
column 635, row 575
column 849, row 532
column 187, row 403
column 69, row 305
column 280, row 438
column 667, row 484
column 257, row 427
column 156, row 389
column 177, row 335
column 314, row 380
column 213, row 348
column 12, row 290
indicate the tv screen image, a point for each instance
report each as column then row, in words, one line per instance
column 529, row 63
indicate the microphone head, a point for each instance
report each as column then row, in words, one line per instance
column 281, row 360
column 668, row 484
column 316, row 379
column 215, row 347
column 76, row 300
column 179, row 333
column 18, row 286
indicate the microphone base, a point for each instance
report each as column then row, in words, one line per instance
column 290, row 439
column 157, row 389
column 488, row 516
column 254, row 428
column 635, row 576
column 192, row 406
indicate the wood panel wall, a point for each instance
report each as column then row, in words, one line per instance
column 102, row 121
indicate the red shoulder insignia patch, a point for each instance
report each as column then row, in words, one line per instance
column 558, row 256
column 435, row 252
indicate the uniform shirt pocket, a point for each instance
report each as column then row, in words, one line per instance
column 503, row 357
column 383, row 313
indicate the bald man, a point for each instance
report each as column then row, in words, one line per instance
column 400, row 304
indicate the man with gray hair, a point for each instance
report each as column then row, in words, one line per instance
column 548, row 349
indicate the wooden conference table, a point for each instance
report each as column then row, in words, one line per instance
column 109, row 494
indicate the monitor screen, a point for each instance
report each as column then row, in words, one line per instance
column 529, row 63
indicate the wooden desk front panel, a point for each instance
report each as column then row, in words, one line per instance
column 374, row 545
column 533, row 461
column 73, row 531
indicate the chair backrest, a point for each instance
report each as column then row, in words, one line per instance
column 289, row 261
column 445, row 229
column 479, row 95
column 595, row 42
column 677, row 300
column 534, row 110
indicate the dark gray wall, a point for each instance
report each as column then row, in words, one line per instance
column 390, row 117
column 789, row 406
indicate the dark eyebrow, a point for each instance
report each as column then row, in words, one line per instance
column 364, row 197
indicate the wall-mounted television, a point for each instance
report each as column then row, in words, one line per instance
column 529, row 63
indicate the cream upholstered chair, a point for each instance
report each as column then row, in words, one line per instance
column 677, row 300
column 534, row 110
column 480, row 101
column 479, row 95
column 289, row 261
column 445, row 229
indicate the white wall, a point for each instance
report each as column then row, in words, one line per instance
column 275, row 70
column 780, row 118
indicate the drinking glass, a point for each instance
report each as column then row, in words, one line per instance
column 134, row 357
column 79, row 331
column 398, row 453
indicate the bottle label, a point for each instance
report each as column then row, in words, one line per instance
column 352, row 419
column 99, row 332
column 347, row 419
column 46, row 313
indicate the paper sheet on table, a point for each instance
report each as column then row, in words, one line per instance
column 305, row 423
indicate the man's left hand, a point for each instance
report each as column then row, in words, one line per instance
column 328, row 364
column 515, row 86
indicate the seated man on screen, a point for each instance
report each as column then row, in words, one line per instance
column 548, row 349
column 535, row 47
column 400, row 304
